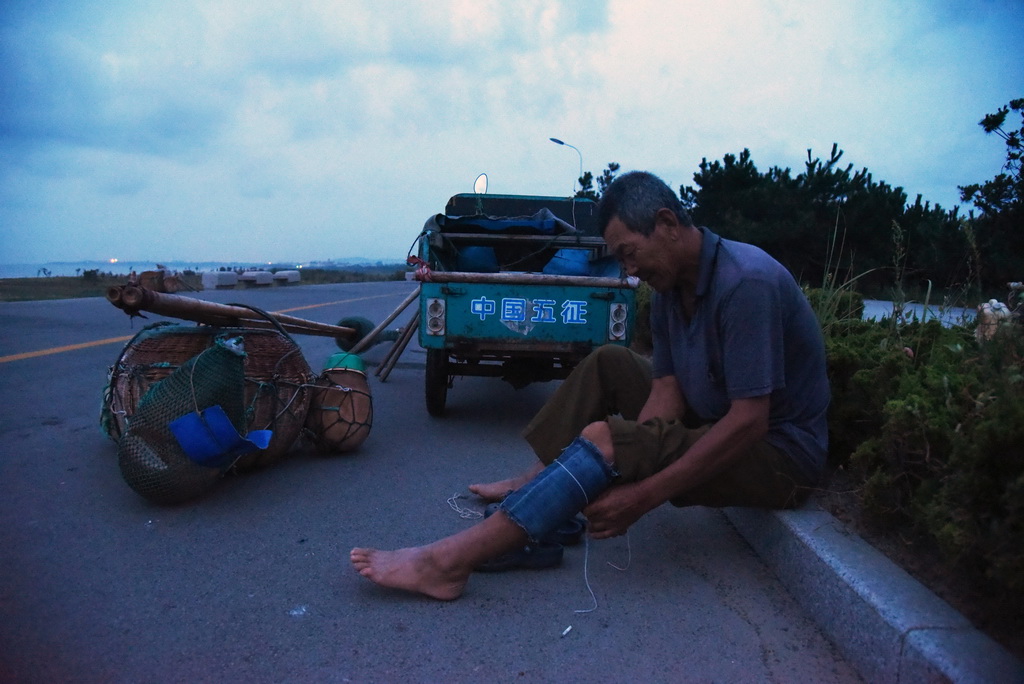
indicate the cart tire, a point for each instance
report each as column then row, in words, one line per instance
column 436, row 381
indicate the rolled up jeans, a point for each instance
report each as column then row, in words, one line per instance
column 561, row 490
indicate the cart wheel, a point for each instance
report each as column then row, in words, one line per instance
column 437, row 381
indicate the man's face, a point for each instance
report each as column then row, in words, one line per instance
column 652, row 258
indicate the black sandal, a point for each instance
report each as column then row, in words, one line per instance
column 530, row 557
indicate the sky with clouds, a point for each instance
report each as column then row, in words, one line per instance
column 247, row 130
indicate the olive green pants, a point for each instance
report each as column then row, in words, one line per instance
column 612, row 384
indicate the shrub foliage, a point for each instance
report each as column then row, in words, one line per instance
column 932, row 424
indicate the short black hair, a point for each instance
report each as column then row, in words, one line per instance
column 635, row 198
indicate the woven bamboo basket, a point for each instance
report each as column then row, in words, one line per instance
column 277, row 381
column 340, row 411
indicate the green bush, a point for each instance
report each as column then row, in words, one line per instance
column 932, row 424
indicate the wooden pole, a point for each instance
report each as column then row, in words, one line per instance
column 509, row 278
column 370, row 336
column 386, row 366
column 134, row 299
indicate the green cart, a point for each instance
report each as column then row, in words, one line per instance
column 516, row 287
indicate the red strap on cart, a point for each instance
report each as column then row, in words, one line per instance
column 422, row 268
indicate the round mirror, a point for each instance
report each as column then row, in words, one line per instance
column 480, row 186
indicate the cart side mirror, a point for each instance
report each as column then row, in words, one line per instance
column 480, row 185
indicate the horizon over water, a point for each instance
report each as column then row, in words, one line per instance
column 125, row 266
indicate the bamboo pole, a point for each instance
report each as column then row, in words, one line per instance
column 370, row 336
column 388, row 364
column 134, row 299
column 510, row 278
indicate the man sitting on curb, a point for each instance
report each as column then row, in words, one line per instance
column 732, row 411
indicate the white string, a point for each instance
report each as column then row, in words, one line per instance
column 629, row 556
column 575, row 480
column 465, row 513
column 586, row 579
column 586, row 574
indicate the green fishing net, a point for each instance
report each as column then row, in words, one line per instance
column 151, row 461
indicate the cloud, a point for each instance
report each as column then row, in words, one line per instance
column 251, row 128
column 61, row 91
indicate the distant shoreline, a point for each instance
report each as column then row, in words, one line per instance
column 95, row 282
column 124, row 267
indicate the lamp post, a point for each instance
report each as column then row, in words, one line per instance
column 559, row 142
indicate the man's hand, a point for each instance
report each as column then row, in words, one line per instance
column 616, row 509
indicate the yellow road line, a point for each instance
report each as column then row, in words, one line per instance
column 113, row 340
column 66, row 348
column 340, row 301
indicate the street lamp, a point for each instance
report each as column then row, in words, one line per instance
column 559, row 142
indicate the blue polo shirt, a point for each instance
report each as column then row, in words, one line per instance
column 753, row 333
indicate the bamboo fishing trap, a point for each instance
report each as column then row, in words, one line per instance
column 187, row 404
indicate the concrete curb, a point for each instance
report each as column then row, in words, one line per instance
column 886, row 624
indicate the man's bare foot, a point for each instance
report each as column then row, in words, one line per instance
column 414, row 569
column 496, row 491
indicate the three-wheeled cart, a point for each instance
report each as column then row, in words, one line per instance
column 516, row 287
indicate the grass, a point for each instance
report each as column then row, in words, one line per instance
column 57, row 287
